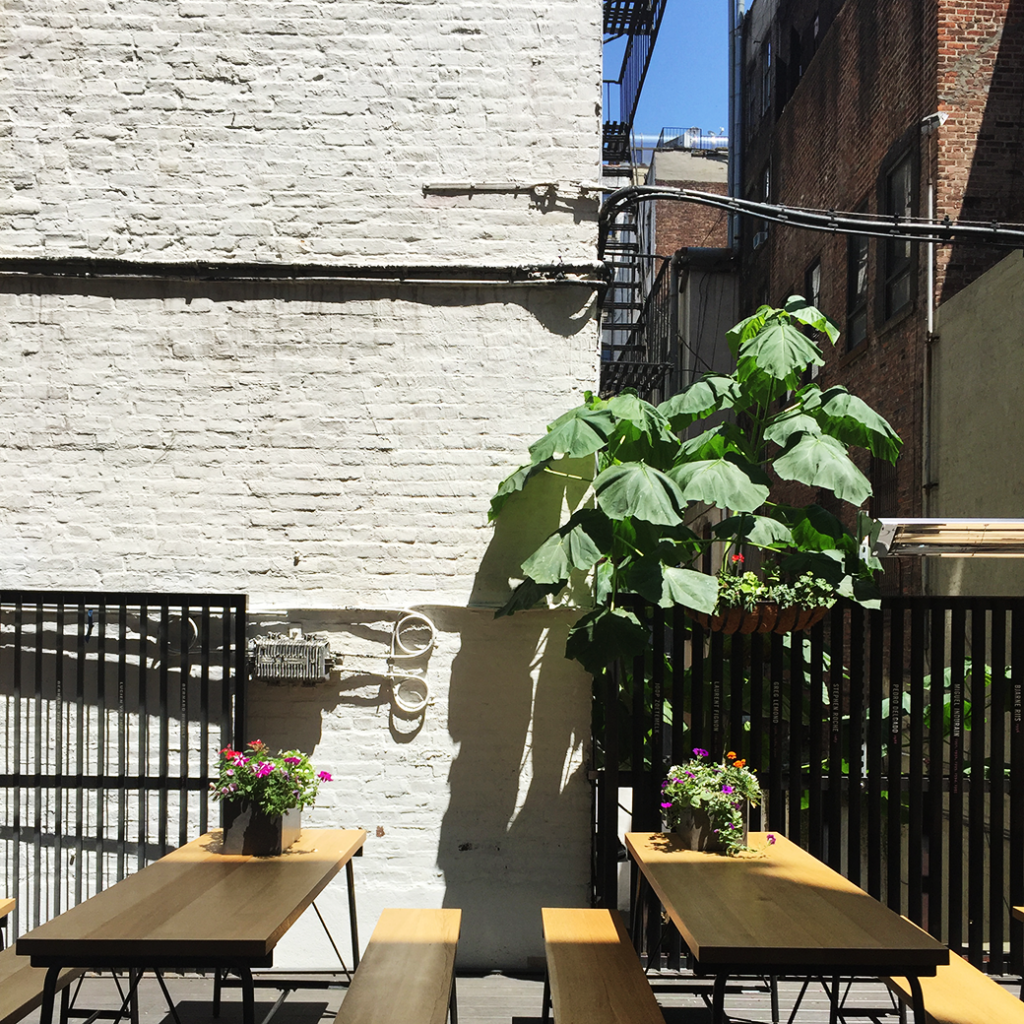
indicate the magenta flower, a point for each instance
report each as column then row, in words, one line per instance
column 699, row 752
column 771, row 839
column 293, row 760
column 666, row 807
column 727, row 789
column 324, row 776
column 263, row 769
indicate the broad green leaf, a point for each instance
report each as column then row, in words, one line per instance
column 526, row 596
column 579, row 544
column 747, row 328
column 711, row 444
column 604, row 635
column 854, row 422
column 815, row 529
column 822, row 462
column 760, row 531
column 722, row 482
column 788, row 423
column 646, row 418
column 634, row 489
column 604, row 582
column 864, row 592
column 510, row 485
column 696, row 590
column 713, row 392
column 581, row 433
column 828, row 565
column 780, row 350
column 800, row 309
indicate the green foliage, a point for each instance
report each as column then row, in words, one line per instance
column 722, row 442
column 275, row 783
column 718, row 789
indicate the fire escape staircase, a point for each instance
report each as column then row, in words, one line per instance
column 625, row 360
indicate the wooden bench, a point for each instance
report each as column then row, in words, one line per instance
column 960, row 994
column 406, row 975
column 594, row 974
column 21, row 985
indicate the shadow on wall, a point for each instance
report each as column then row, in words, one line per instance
column 548, row 305
column 515, row 836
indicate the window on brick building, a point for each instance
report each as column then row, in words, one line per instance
column 897, row 269
column 766, row 76
column 856, row 290
column 812, row 293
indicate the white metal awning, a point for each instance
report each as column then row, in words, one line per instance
column 960, row 538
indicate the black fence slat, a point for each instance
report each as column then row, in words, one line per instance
column 854, row 744
column 107, row 735
column 976, row 745
column 936, row 836
column 873, row 750
column 1016, row 755
column 916, row 774
column 818, row 720
column 996, row 910
column 894, row 646
column 837, row 694
column 955, row 859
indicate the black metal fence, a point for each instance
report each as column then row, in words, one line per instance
column 889, row 745
column 112, row 709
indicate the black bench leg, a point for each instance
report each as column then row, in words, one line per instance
column 453, row 1004
column 773, row 988
column 49, row 991
column 718, row 999
column 217, row 979
column 545, row 1010
column 353, row 919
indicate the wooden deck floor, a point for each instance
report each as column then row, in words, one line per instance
column 500, row 999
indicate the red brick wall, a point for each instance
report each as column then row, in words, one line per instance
column 682, row 225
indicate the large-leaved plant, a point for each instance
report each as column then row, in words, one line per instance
column 727, row 442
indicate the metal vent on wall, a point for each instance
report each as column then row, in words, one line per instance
column 277, row 658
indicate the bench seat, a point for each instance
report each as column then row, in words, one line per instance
column 21, row 985
column 961, row 994
column 406, row 975
column 594, row 974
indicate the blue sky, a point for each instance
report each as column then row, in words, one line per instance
column 687, row 83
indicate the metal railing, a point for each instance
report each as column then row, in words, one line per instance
column 113, row 708
column 890, row 744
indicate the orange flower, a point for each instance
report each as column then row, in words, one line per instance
column 731, row 754
column 740, row 764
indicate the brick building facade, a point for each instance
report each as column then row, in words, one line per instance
column 894, row 108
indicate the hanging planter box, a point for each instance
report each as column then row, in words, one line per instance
column 765, row 618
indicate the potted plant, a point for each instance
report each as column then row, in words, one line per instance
column 263, row 795
column 706, row 802
column 728, row 444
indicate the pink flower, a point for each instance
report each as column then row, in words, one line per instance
column 324, row 776
column 293, row 760
column 771, row 839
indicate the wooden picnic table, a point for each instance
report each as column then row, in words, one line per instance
column 196, row 908
column 779, row 910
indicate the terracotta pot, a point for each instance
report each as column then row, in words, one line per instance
column 695, row 832
column 250, row 832
column 765, row 618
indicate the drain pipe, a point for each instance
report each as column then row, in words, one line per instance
column 735, row 106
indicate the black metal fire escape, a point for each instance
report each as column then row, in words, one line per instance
column 625, row 360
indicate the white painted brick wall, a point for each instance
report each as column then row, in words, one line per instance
column 328, row 449
column 288, row 131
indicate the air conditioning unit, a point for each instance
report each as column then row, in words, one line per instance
column 277, row 658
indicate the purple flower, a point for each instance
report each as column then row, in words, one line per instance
column 664, row 785
column 293, row 760
column 699, row 752
column 666, row 807
column 771, row 839
column 727, row 789
column 324, row 776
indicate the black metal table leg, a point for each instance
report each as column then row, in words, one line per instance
column 350, row 878
column 718, row 999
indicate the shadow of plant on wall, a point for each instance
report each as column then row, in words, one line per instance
column 516, row 825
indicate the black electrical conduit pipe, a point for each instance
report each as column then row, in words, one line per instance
column 590, row 275
column 874, row 225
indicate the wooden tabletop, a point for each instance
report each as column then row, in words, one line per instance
column 6, row 906
column 778, row 906
column 196, row 905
